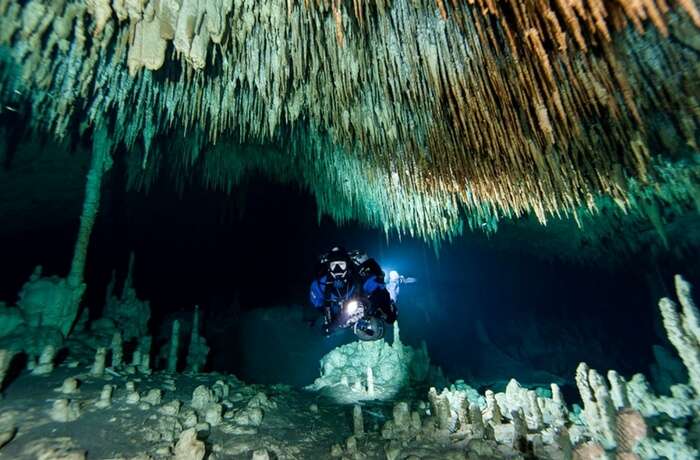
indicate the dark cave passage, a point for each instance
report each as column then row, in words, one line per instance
column 486, row 312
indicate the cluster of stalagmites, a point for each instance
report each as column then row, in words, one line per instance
column 124, row 318
column 47, row 308
column 178, row 427
column 620, row 419
column 239, row 412
column 124, row 322
column 371, row 370
column 495, row 107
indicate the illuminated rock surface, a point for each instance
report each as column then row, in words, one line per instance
column 370, row 370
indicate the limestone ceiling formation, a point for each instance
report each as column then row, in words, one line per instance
column 419, row 116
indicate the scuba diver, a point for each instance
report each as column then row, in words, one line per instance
column 344, row 277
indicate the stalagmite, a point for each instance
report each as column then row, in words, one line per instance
column 5, row 359
column 117, row 350
column 105, row 396
column 683, row 329
column 535, row 414
column 145, row 366
column 477, row 422
column 98, row 367
column 358, row 424
column 198, row 349
column 64, row 410
column 618, row 390
column 69, row 386
column 604, row 427
column 463, row 413
column 433, row 400
column 144, row 350
column 519, row 430
column 401, row 415
column 136, row 358
column 492, row 408
column 132, row 396
column 188, row 447
column 559, row 411
column 370, row 382
column 174, row 347
column 397, row 336
column 590, row 409
column 443, row 413
column 45, row 361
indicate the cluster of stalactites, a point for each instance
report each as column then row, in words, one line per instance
column 192, row 25
column 496, row 110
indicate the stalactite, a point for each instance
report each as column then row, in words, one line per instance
column 492, row 107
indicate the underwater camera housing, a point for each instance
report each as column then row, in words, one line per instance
column 355, row 314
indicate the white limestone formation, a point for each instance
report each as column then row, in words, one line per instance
column 117, row 350
column 493, row 412
column 46, row 359
column 358, row 421
column 370, row 382
column 69, row 386
column 153, row 396
column 188, row 447
column 198, row 350
column 105, row 396
column 683, row 329
column 202, row 397
column 98, row 367
column 64, row 410
column 368, row 370
column 174, row 347
column 54, row 301
column 213, row 414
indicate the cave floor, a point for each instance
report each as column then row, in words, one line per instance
column 300, row 425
